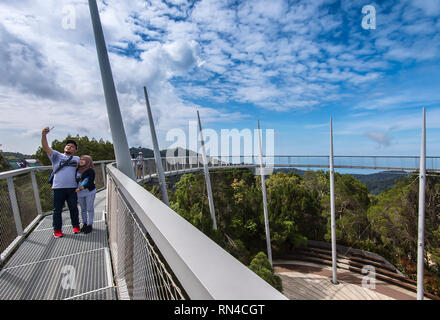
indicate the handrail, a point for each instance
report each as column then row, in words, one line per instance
column 17, row 172
column 407, row 163
column 297, row 156
column 12, row 209
column 205, row 270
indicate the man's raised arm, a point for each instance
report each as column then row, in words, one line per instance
column 44, row 143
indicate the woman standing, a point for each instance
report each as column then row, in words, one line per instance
column 86, row 192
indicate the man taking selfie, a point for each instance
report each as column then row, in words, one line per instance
column 64, row 166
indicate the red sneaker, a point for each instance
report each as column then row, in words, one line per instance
column 57, row 233
column 76, row 230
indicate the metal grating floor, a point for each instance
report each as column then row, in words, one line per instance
column 76, row 266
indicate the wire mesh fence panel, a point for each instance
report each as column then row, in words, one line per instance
column 8, row 231
column 147, row 169
column 99, row 179
column 187, row 163
column 164, row 163
column 144, row 286
column 151, row 165
column 44, row 190
column 139, row 270
column 25, row 198
column 433, row 163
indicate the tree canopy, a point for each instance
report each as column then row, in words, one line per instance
column 299, row 209
column 97, row 149
column 4, row 164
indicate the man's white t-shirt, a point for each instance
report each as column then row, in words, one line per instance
column 65, row 177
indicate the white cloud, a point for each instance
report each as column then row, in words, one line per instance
column 280, row 56
column 382, row 138
column 53, row 74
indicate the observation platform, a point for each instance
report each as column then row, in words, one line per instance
column 76, row 266
column 311, row 281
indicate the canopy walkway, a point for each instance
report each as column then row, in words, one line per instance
column 139, row 248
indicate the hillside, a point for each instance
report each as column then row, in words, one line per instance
column 287, row 170
column 381, row 181
column 16, row 155
column 376, row 182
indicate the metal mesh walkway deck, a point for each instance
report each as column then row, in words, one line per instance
column 76, row 266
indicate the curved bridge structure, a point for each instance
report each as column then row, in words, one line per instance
column 179, row 165
column 139, row 249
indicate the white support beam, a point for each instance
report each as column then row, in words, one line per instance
column 421, row 225
column 263, row 190
column 157, row 157
column 119, row 138
column 207, row 178
column 332, row 208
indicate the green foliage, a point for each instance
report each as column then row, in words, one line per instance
column 394, row 219
column 4, row 164
column 44, row 190
column 291, row 208
column 381, row 181
column 261, row 266
column 239, row 211
column 15, row 155
column 238, row 249
column 299, row 209
column 7, row 224
column 190, row 202
column 351, row 204
column 98, row 150
column 352, row 201
column 154, row 190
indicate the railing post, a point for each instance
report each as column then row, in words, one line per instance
column 36, row 193
column 207, row 179
column 14, row 205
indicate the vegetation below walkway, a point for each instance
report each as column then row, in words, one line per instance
column 299, row 209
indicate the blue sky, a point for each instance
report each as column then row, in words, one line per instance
column 290, row 64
